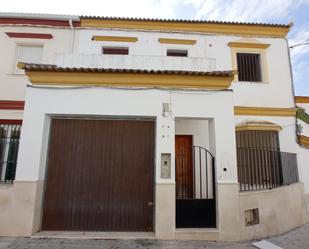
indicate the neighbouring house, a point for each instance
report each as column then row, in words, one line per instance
column 171, row 129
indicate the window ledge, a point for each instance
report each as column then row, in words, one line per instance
column 269, row 190
column 252, row 82
column 19, row 74
column 4, row 185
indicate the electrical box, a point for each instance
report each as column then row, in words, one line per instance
column 165, row 165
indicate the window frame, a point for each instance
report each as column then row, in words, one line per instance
column 251, row 48
column 260, row 76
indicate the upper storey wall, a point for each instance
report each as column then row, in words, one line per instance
column 207, row 45
column 12, row 81
column 207, row 52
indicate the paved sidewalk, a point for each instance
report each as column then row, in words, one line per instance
column 296, row 239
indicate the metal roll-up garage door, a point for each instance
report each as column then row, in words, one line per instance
column 100, row 175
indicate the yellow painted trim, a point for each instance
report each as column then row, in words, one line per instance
column 114, row 38
column 265, row 111
column 261, row 51
column 257, row 127
column 128, row 79
column 177, row 41
column 248, row 45
column 303, row 140
column 235, row 29
column 302, row 99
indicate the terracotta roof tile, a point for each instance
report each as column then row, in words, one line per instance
column 54, row 68
column 185, row 21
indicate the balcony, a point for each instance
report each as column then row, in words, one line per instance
column 136, row 62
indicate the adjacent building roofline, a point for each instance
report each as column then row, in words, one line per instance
column 39, row 16
column 301, row 99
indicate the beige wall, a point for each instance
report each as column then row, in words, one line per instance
column 20, row 206
column 165, row 211
column 280, row 210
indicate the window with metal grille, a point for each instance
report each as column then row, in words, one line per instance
column 258, row 160
column 177, row 52
column 249, row 67
column 9, row 142
column 115, row 50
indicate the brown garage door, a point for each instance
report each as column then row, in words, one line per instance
column 99, row 176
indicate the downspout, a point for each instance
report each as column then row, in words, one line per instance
column 73, row 35
column 293, row 88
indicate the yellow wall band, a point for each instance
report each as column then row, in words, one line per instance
column 114, row 38
column 248, row 45
column 177, row 41
column 258, row 128
column 129, row 79
column 265, row 111
column 236, row 29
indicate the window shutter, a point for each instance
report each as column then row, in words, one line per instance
column 29, row 54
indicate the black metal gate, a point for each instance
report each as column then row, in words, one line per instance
column 199, row 209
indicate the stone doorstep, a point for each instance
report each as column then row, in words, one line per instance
column 210, row 234
column 93, row 235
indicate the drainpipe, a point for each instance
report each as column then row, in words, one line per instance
column 73, row 35
column 292, row 81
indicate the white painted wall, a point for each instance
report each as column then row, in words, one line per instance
column 12, row 85
column 41, row 103
column 208, row 47
column 135, row 62
column 278, row 91
column 197, row 128
column 210, row 52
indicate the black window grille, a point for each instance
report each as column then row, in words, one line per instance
column 261, row 164
column 9, row 142
column 249, row 67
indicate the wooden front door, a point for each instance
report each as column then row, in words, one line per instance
column 184, row 166
column 100, row 176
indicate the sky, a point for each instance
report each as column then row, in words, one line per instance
column 269, row 11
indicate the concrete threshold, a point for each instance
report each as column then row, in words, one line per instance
column 93, row 235
column 210, row 234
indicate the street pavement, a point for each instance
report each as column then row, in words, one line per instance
column 295, row 239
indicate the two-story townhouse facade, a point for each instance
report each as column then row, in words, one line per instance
column 168, row 129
